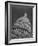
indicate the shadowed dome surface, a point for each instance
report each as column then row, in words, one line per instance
column 22, row 28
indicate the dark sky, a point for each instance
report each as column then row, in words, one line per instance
column 18, row 11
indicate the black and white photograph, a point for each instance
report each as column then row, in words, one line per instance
column 20, row 22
